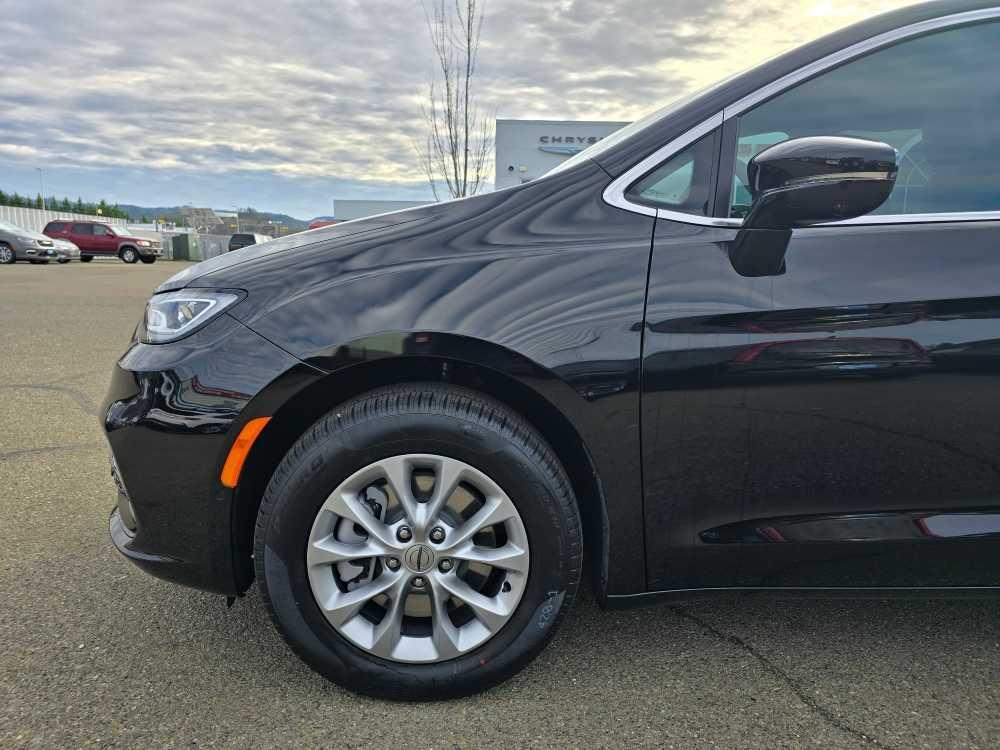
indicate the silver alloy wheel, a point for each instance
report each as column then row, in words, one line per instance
column 6, row 254
column 417, row 600
column 128, row 255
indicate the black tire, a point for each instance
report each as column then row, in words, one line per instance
column 86, row 258
column 61, row 261
column 427, row 418
column 146, row 260
column 39, row 262
column 129, row 255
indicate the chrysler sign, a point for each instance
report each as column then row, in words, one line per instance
column 566, row 145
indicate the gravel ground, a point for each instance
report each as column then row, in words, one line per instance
column 94, row 653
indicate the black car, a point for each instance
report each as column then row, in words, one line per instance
column 245, row 239
column 749, row 343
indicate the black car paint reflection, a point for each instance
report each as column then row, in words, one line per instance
column 839, row 404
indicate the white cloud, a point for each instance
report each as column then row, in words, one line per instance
column 332, row 90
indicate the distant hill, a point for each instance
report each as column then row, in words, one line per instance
column 171, row 212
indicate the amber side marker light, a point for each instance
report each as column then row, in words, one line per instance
column 241, row 448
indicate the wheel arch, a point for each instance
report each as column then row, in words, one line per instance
column 508, row 378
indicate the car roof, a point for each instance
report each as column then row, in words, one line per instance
column 630, row 150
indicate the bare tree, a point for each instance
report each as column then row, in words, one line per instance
column 459, row 132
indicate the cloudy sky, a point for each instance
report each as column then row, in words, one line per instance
column 286, row 105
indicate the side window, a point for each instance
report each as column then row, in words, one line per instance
column 82, row 229
column 935, row 98
column 56, row 226
column 682, row 183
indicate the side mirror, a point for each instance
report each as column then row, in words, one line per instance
column 805, row 181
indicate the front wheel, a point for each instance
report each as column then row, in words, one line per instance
column 61, row 261
column 151, row 259
column 129, row 255
column 419, row 543
column 86, row 258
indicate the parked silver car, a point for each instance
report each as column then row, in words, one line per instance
column 65, row 251
column 23, row 244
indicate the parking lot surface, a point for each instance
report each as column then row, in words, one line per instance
column 94, row 653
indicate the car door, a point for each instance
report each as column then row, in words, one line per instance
column 835, row 424
column 82, row 235
column 105, row 241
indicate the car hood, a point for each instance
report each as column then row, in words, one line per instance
column 29, row 233
column 190, row 276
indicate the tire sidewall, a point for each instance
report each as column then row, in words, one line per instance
column 129, row 255
column 346, row 450
column 11, row 259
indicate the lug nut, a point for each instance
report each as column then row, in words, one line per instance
column 437, row 535
column 418, row 582
column 404, row 534
column 445, row 565
column 392, row 563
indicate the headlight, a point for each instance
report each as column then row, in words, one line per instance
column 174, row 315
column 144, row 243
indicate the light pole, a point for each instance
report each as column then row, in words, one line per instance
column 41, row 187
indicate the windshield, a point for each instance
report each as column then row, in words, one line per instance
column 5, row 227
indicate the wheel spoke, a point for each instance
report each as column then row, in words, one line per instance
column 398, row 473
column 490, row 612
column 328, row 550
column 387, row 633
column 494, row 510
column 447, row 475
column 445, row 634
column 347, row 505
column 341, row 606
column 508, row 557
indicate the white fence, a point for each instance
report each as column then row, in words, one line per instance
column 35, row 219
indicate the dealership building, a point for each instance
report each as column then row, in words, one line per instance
column 527, row 149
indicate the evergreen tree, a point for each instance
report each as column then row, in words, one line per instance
column 39, row 203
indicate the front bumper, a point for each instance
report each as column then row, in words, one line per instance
column 170, row 416
column 151, row 252
column 34, row 252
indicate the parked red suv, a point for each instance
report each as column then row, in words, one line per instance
column 97, row 240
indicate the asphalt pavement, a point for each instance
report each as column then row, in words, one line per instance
column 94, row 653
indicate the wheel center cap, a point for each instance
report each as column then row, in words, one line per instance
column 419, row 558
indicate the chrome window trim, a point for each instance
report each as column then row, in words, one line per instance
column 614, row 194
